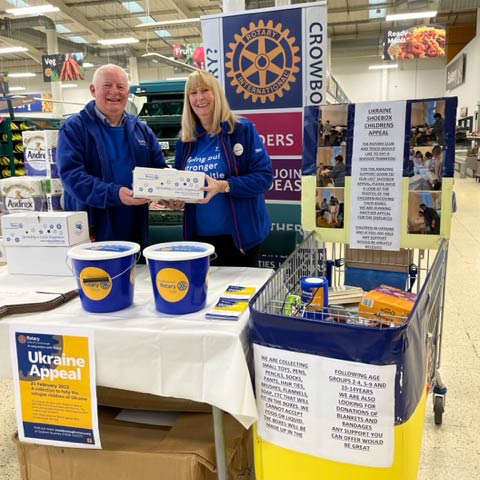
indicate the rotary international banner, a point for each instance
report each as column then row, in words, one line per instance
column 54, row 382
column 272, row 63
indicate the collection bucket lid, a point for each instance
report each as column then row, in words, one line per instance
column 313, row 280
column 171, row 251
column 103, row 250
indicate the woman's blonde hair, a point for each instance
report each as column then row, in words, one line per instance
column 221, row 112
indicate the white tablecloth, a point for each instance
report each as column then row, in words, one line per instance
column 143, row 350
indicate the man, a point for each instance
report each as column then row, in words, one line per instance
column 431, row 219
column 438, row 128
column 327, row 131
column 97, row 151
column 337, row 174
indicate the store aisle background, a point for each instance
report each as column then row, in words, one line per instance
column 451, row 451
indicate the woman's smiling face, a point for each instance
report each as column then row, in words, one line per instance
column 202, row 101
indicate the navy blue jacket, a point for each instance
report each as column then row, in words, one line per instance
column 250, row 175
column 86, row 173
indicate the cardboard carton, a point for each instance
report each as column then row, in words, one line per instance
column 167, row 183
column 387, row 304
column 50, row 261
column 45, row 229
column 185, row 451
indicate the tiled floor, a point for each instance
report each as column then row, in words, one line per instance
column 451, row 451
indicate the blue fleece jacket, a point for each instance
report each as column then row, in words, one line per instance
column 250, row 175
column 86, row 172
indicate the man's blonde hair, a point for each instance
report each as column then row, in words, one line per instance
column 221, row 112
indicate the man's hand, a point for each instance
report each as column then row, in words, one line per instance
column 126, row 197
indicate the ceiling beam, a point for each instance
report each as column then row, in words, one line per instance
column 79, row 18
column 183, row 11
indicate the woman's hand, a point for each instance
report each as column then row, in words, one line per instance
column 213, row 187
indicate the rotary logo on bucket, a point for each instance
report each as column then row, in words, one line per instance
column 96, row 283
column 172, row 284
column 179, row 272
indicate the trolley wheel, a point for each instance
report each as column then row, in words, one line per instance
column 438, row 408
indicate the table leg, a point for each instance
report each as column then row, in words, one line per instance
column 220, row 451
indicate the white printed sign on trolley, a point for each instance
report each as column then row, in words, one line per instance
column 329, row 408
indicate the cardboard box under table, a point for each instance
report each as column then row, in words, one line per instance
column 137, row 451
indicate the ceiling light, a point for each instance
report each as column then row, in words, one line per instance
column 170, row 23
column 410, row 16
column 33, row 10
column 69, row 85
column 118, row 41
column 21, row 75
column 170, row 61
column 16, row 89
column 13, row 50
column 383, row 67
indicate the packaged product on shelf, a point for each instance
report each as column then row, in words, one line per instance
column 387, row 303
column 54, row 192
column 22, row 194
column 51, row 140
column 39, row 152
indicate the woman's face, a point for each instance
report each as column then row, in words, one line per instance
column 202, row 102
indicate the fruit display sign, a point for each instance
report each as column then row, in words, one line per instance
column 192, row 54
column 63, row 67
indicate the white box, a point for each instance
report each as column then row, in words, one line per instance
column 168, row 183
column 36, row 260
column 45, row 228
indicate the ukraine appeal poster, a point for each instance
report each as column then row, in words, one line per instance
column 54, row 383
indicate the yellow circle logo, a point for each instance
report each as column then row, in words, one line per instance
column 95, row 283
column 172, row 284
column 263, row 61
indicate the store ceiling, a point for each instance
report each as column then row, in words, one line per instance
column 355, row 26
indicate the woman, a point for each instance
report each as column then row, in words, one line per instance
column 232, row 216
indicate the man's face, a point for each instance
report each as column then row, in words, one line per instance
column 111, row 93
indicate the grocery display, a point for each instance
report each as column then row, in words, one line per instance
column 162, row 111
column 11, row 142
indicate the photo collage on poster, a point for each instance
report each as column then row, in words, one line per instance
column 425, row 166
column 330, row 166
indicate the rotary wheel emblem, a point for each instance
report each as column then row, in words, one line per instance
column 262, row 61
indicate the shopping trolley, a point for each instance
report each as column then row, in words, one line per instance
column 282, row 336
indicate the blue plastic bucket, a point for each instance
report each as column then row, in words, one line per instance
column 179, row 275
column 105, row 273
